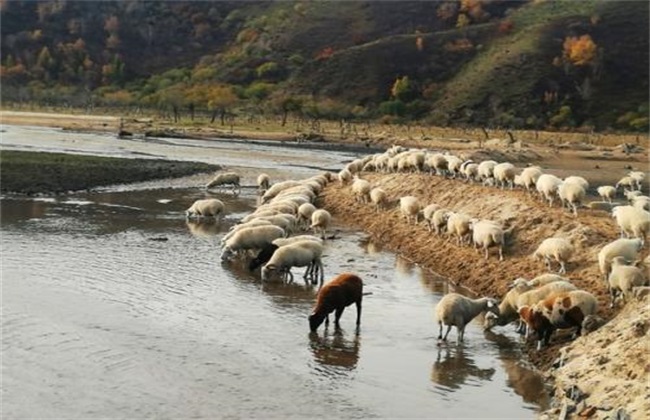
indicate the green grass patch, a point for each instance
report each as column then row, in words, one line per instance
column 38, row 172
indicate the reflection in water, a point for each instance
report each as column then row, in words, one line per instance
column 526, row 382
column 335, row 349
column 452, row 371
column 206, row 227
column 404, row 266
column 371, row 247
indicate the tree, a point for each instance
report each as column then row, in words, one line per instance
column 220, row 98
column 403, row 89
column 286, row 104
column 580, row 51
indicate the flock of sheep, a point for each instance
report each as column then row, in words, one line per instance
column 541, row 305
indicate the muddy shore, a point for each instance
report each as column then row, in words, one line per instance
column 604, row 389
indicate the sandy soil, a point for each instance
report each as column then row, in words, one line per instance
column 615, row 377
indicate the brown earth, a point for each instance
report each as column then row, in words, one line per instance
column 615, row 377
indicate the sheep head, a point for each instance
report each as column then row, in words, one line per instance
column 315, row 319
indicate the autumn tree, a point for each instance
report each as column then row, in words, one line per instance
column 284, row 104
column 220, row 99
column 579, row 51
column 403, row 89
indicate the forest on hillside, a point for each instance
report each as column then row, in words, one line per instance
column 540, row 64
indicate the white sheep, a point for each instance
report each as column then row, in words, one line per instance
column 298, row 254
column 541, row 280
column 626, row 248
column 361, row 189
column 223, row 179
column 438, row 163
column 631, row 194
column 278, row 187
column 410, row 208
column 626, row 183
column 209, row 207
column 470, row 171
column 344, row 176
column 558, row 249
column 637, row 177
column 632, row 221
column 439, row 220
column 453, row 165
column 305, row 212
column 547, row 186
column 529, row 177
column 263, row 182
column 571, row 194
column 458, row 310
column 298, row 238
column 607, row 192
column 486, row 234
column 534, row 296
column 623, row 278
column 486, row 169
column 458, row 224
column 504, row 174
column 427, row 214
column 251, row 238
column 320, row 221
column 378, row 198
column 577, row 180
column 641, row 202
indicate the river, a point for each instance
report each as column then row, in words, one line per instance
column 114, row 306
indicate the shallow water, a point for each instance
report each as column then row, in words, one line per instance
column 114, row 306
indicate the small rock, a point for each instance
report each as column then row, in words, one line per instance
column 574, row 393
column 619, row 414
column 602, row 360
column 159, row 239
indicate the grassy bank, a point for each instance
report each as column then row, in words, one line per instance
column 36, row 172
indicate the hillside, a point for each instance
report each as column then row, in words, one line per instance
column 520, row 64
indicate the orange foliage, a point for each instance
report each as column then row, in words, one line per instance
column 580, row 51
column 462, row 44
column 325, row 53
column 505, row 26
column 113, row 41
column 447, row 11
column 112, row 24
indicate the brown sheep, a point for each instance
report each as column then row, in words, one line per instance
column 560, row 310
column 343, row 290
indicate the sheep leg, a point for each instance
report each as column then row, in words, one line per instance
column 562, row 268
column 461, row 333
column 486, row 252
column 501, row 253
column 447, row 333
column 358, row 312
column 337, row 316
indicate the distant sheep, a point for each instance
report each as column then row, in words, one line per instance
column 427, row 214
column 209, row 207
column 558, row 249
column 641, row 202
column 486, row 234
column 361, row 190
column 344, row 176
column 343, row 290
column 320, row 221
column 571, row 194
column 486, row 169
column 453, row 165
column 529, row 177
column 458, row 225
column 458, row 310
column 263, row 182
column 578, row 180
column 637, row 177
column 626, row 248
column 607, row 192
column 632, row 221
column 627, row 183
column 410, row 208
column 223, row 179
column 504, row 174
column 305, row 211
column 623, row 278
column 439, row 220
column 278, row 187
column 251, row 238
column 438, row 163
column 547, row 186
column 378, row 198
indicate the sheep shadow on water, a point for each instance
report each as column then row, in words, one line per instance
column 335, row 349
column 454, row 368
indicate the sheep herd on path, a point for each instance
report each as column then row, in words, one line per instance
column 433, row 206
